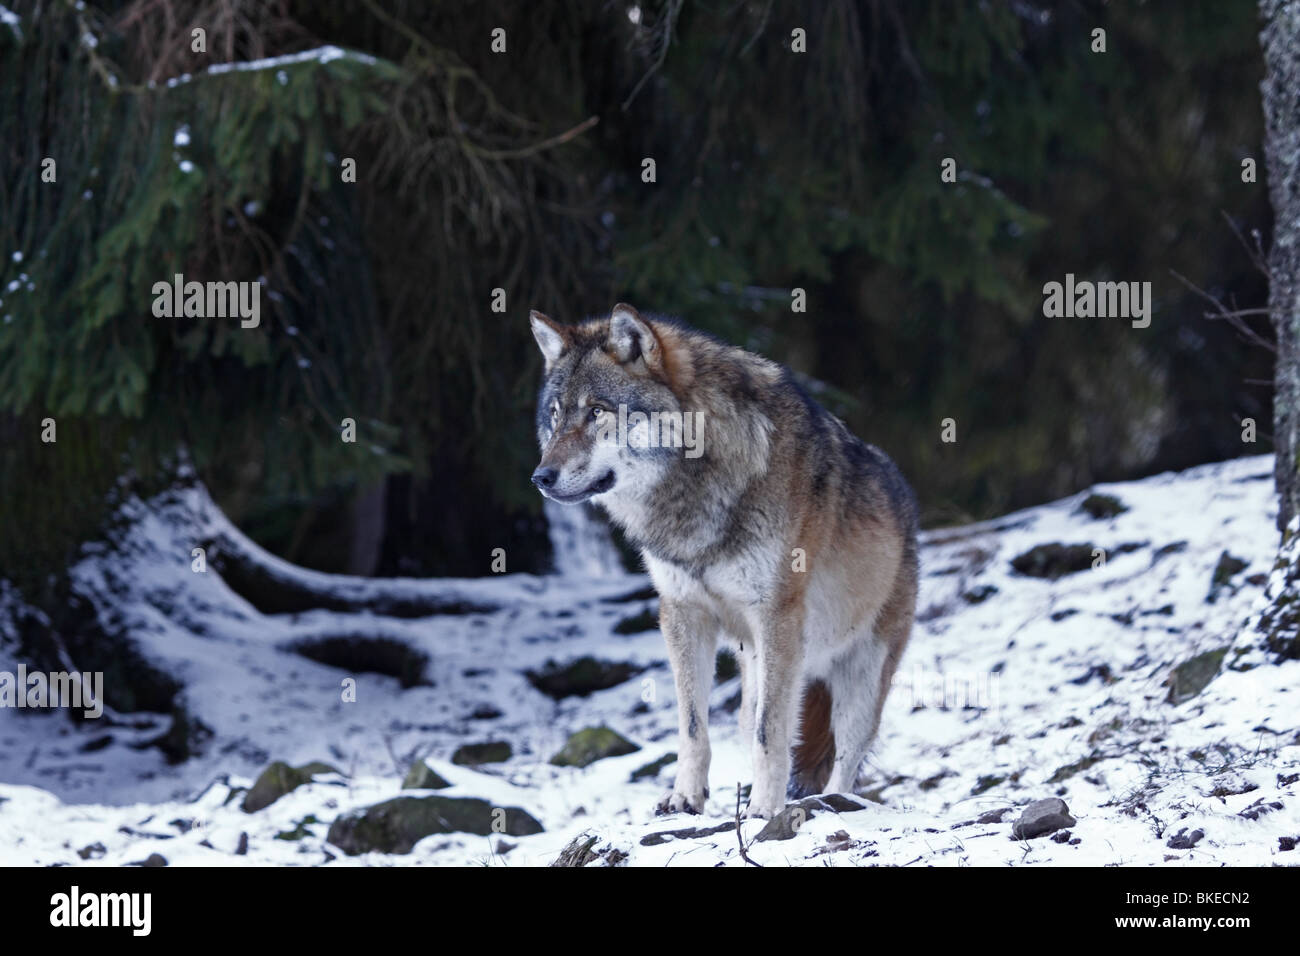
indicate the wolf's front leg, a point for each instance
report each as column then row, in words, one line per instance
column 780, row 659
column 691, row 635
column 747, row 659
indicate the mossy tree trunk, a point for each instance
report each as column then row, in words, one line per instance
column 1278, row 618
column 1280, row 39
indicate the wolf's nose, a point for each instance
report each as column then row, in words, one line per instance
column 545, row 477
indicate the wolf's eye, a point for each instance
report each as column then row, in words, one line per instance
column 555, row 415
column 595, row 413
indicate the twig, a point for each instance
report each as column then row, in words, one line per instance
column 1239, row 312
column 564, row 137
column 670, row 20
column 1257, row 255
column 739, row 842
column 1232, row 316
column 97, row 63
column 762, row 25
column 392, row 755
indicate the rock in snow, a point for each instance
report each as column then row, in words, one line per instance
column 595, row 743
column 423, row 777
column 279, row 779
column 396, row 825
column 1041, row 818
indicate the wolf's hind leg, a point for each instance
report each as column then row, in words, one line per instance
column 814, row 752
column 860, row 681
column 858, row 686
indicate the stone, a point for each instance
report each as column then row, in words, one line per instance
column 591, row 744
column 1041, row 818
column 277, row 780
column 396, row 825
column 422, row 777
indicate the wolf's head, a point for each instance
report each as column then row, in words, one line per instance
column 605, row 392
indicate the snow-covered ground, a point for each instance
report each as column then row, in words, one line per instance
column 1014, row 688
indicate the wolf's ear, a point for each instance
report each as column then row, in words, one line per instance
column 550, row 335
column 630, row 337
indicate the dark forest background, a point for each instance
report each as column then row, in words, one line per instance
column 522, row 171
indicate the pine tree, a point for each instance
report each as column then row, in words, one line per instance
column 520, row 171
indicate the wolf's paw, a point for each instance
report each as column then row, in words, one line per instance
column 674, row 802
column 762, row 812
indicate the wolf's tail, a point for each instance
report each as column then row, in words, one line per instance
column 814, row 754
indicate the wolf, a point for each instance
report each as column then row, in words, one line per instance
column 783, row 536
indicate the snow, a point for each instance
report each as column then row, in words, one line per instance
column 1038, row 689
column 322, row 55
column 12, row 21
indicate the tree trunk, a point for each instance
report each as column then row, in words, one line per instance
column 369, row 510
column 1280, row 40
column 1278, row 618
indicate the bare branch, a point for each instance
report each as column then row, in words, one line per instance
column 1258, row 257
column 670, row 21
column 1232, row 316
